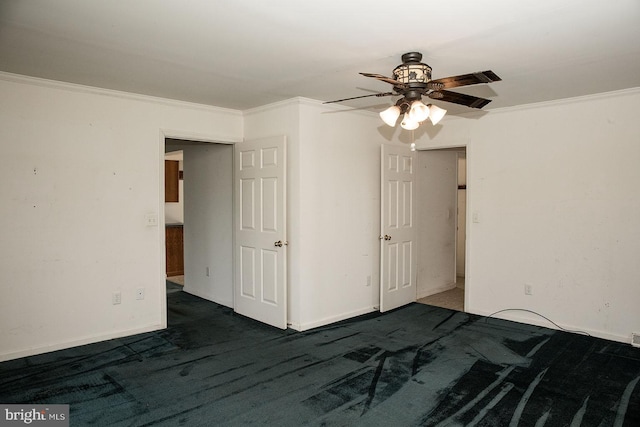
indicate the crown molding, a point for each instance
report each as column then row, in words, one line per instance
column 73, row 87
column 572, row 100
column 299, row 100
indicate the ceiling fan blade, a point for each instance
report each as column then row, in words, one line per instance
column 363, row 96
column 467, row 79
column 384, row 79
column 459, row 98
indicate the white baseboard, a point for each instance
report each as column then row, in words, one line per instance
column 329, row 320
column 538, row 321
column 75, row 343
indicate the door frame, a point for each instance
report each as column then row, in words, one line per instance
column 186, row 137
column 467, row 251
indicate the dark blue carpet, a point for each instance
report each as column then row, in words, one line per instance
column 418, row 365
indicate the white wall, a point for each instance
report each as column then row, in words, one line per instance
column 461, row 217
column 555, row 187
column 339, row 213
column 334, row 206
column 208, row 225
column 85, row 168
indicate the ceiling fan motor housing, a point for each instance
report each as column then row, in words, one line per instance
column 412, row 72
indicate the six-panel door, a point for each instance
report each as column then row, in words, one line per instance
column 398, row 248
column 260, row 290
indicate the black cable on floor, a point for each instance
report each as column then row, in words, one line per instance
column 544, row 317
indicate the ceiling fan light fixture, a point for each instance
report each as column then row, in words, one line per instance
column 418, row 111
column 436, row 113
column 412, row 80
column 390, row 115
column 409, row 124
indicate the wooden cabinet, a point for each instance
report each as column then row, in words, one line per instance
column 171, row 179
column 174, row 250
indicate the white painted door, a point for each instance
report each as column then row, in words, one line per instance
column 260, row 289
column 398, row 248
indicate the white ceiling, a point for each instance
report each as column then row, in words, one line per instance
column 245, row 53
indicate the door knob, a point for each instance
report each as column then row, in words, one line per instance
column 279, row 243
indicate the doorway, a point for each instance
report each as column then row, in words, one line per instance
column 174, row 217
column 234, row 231
column 204, row 214
column 442, row 228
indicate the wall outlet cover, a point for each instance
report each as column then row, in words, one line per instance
column 151, row 219
column 635, row 339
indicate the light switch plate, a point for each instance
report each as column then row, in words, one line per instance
column 151, row 219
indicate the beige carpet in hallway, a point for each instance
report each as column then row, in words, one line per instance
column 452, row 299
column 179, row 280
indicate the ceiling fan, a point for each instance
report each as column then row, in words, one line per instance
column 412, row 80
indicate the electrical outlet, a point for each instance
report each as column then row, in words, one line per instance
column 635, row 340
column 207, row 272
column 528, row 290
column 140, row 293
column 368, row 280
column 116, row 298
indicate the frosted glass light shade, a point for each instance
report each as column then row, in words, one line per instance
column 390, row 115
column 409, row 124
column 418, row 112
column 436, row 113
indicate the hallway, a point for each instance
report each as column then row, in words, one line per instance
column 452, row 299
